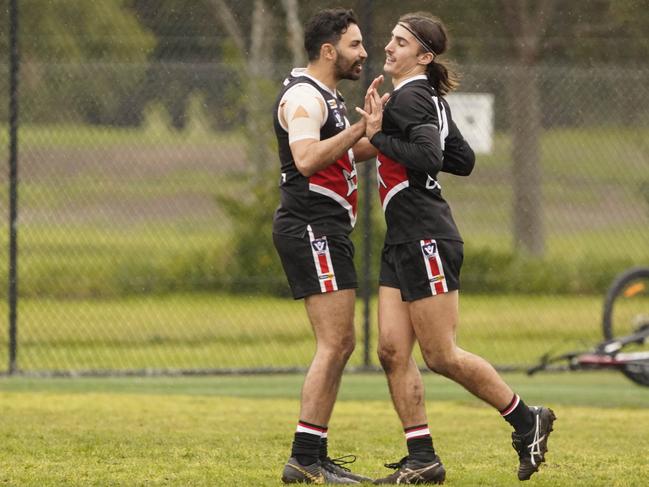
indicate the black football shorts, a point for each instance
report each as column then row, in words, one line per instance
column 422, row 268
column 317, row 265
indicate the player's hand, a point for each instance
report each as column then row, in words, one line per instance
column 372, row 112
column 376, row 82
column 373, row 88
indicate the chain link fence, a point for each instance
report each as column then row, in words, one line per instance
column 145, row 213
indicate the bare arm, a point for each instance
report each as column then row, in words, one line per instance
column 312, row 155
column 364, row 150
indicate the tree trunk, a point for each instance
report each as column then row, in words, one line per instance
column 258, row 103
column 227, row 20
column 527, row 29
column 295, row 31
column 256, row 97
column 525, row 117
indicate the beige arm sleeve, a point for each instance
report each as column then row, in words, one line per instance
column 302, row 113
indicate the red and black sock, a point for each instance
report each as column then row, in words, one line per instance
column 306, row 442
column 518, row 415
column 420, row 443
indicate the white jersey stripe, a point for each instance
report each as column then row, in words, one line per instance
column 316, row 188
column 394, row 191
column 443, row 122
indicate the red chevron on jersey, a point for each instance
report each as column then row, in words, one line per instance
column 339, row 182
column 391, row 176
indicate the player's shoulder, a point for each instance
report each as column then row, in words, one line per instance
column 305, row 95
column 413, row 92
column 412, row 100
column 302, row 88
column 418, row 88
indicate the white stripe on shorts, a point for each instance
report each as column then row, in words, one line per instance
column 434, row 267
column 322, row 260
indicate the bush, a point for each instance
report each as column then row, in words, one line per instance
column 486, row 271
column 248, row 263
column 253, row 266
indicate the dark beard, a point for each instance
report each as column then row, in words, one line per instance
column 346, row 72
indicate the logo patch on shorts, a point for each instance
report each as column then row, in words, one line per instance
column 429, row 249
column 319, row 245
column 437, row 278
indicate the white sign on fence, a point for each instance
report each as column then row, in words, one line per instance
column 473, row 113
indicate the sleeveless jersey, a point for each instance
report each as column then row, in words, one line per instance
column 411, row 199
column 327, row 200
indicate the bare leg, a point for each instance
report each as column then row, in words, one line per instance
column 435, row 322
column 396, row 339
column 332, row 320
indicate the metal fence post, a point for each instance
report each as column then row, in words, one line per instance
column 366, row 289
column 14, row 63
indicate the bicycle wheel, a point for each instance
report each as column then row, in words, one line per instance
column 626, row 309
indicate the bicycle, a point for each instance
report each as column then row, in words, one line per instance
column 625, row 326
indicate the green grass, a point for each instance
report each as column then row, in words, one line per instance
column 79, row 135
column 237, row 430
column 585, row 203
column 115, row 211
column 221, row 331
column 84, row 262
column 583, row 388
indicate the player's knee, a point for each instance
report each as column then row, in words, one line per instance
column 442, row 362
column 338, row 349
column 347, row 346
column 390, row 358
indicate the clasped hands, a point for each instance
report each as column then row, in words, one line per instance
column 372, row 111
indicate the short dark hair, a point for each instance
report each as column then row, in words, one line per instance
column 326, row 26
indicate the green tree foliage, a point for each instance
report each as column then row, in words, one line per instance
column 185, row 32
column 78, row 31
column 64, row 48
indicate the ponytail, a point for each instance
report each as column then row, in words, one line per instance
column 431, row 34
column 441, row 77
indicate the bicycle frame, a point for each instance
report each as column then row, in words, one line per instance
column 632, row 284
column 605, row 355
